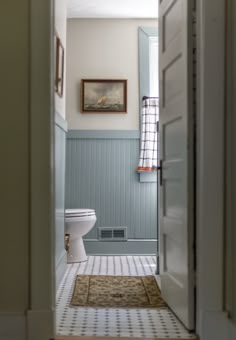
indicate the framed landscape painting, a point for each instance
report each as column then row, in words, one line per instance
column 104, row 96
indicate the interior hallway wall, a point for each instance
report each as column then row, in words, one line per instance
column 14, row 151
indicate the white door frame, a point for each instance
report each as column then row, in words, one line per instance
column 212, row 321
column 40, row 316
column 230, row 238
column 210, row 153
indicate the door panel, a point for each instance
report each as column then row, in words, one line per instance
column 176, row 152
column 170, row 73
column 173, row 139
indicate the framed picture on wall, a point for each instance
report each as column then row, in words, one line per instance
column 104, row 96
column 59, row 76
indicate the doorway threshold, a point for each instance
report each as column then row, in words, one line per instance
column 111, row 338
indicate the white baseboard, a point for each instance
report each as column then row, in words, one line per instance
column 129, row 247
column 61, row 267
column 12, row 326
column 40, row 325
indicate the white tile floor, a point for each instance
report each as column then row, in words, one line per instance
column 87, row 321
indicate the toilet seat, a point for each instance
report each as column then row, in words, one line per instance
column 79, row 212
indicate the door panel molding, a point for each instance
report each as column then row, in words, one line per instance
column 176, row 152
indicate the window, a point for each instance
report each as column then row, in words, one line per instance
column 153, row 67
column 148, row 76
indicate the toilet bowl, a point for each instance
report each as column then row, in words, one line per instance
column 78, row 223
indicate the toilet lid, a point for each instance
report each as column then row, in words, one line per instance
column 79, row 212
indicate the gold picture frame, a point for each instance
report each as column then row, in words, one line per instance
column 104, row 95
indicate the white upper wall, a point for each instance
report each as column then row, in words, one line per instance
column 103, row 49
column 60, row 28
column 112, row 9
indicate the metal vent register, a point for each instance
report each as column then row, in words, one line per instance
column 112, row 233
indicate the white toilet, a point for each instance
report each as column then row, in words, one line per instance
column 78, row 223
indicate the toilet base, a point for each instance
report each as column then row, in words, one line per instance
column 77, row 251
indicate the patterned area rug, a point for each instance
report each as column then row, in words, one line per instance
column 117, row 291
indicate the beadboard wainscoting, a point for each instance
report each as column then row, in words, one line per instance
column 60, row 160
column 101, row 175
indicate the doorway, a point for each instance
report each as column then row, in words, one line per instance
column 94, row 259
column 109, row 183
column 43, row 297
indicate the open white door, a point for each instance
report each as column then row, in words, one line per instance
column 176, row 153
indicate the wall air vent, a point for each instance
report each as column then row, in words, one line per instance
column 106, row 233
column 112, row 233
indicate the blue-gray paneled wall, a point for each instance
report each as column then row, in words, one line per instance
column 101, row 175
column 60, row 161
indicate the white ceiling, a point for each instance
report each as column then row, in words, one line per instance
column 112, row 8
